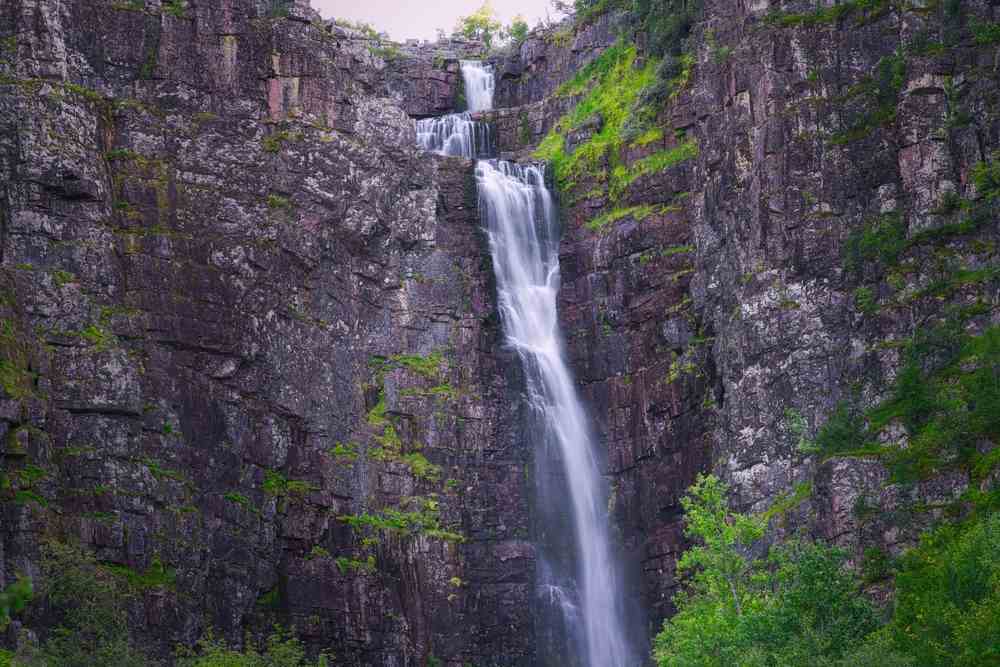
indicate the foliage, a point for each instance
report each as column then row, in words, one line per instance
column 986, row 177
column 667, row 23
column 948, row 597
column 610, row 86
column 88, row 603
column 279, row 486
column 985, row 33
column 424, row 520
column 14, row 598
column 865, row 10
column 281, row 649
column 798, row 605
column 481, row 25
column 518, row 29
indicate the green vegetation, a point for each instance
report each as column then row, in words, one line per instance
column 518, row 29
column 17, row 379
column 14, row 598
column 986, row 33
column 275, row 141
column 277, row 202
column 612, row 84
column 637, row 213
column 280, row 649
column 481, row 25
column 795, row 604
column 424, row 520
column 344, row 452
column 88, row 604
column 279, row 486
column 175, row 8
column 882, row 99
column 241, row 500
column 345, row 565
column 863, row 10
column 156, row 576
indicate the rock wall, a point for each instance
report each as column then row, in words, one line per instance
column 244, row 317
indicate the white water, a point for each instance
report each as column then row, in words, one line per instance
column 454, row 134
column 521, row 221
column 479, row 83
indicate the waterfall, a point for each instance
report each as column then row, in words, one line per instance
column 579, row 578
column 455, row 134
column 479, row 82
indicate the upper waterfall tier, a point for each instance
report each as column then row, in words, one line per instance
column 479, row 85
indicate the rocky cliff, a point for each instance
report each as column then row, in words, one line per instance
column 250, row 350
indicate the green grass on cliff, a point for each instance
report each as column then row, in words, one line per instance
column 610, row 88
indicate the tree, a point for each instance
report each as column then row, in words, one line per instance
column 482, row 25
column 518, row 29
column 795, row 604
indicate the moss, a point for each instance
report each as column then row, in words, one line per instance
column 865, row 301
column 100, row 338
column 277, row 202
column 610, row 86
column 175, row 8
column 428, row 366
column 660, row 161
column 345, row 565
column 156, row 576
column 637, row 213
column 344, row 452
column 883, row 91
column 865, row 10
column 270, row 599
column 946, row 396
column 278, row 486
column 986, row 33
column 424, row 520
column 787, row 502
column 16, row 376
column 275, row 141
column 88, row 94
column 421, row 467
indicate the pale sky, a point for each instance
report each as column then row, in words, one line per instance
column 402, row 19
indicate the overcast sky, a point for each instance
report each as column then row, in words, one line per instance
column 421, row 19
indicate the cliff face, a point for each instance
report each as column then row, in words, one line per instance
column 249, row 332
column 245, row 317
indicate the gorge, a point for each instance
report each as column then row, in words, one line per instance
column 417, row 348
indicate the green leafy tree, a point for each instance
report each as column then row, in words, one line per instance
column 518, row 29
column 798, row 605
column 481, row 24
column 948, row 597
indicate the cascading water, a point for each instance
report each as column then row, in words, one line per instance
column 521, row 221
column 479, row 84
column 520, row 218
column 454, row 134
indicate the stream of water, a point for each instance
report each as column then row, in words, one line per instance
column 520, row 217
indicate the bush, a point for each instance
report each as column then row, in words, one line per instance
column 281, row 649
column 90, row 605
